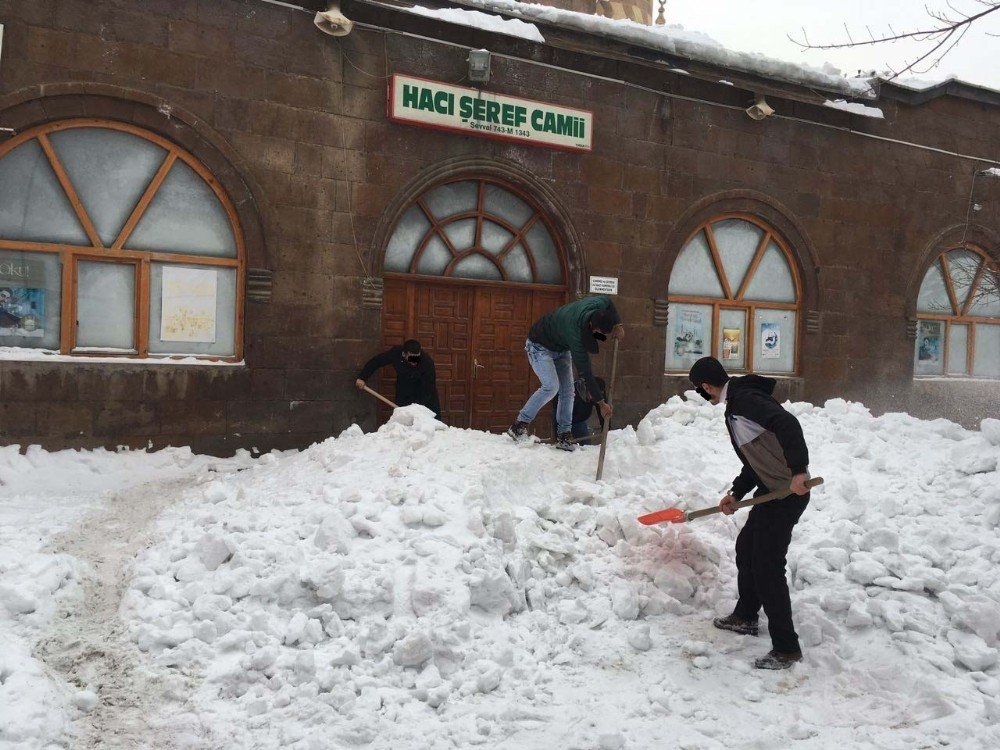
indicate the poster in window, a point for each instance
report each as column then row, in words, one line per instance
column 691, row 333
column 770, row 340
column 188, row 305
column 731, row 343
column 22, row 312
column 929, row 342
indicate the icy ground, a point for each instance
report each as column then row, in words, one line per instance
column 430, row 587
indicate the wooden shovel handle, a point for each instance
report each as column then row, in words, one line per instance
column 380, row 397
column 607, row 419
column 776, row 495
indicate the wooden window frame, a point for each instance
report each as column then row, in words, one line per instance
column 959, row 316
column 480, row 213
column 735, row 300
column 118, row 251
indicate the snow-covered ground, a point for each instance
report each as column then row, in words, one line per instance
column 430, row 587
column 43, row 495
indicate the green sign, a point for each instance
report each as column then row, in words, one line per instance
column 474, row 112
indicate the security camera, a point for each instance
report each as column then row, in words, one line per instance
column 333, row 22
column 759, row 109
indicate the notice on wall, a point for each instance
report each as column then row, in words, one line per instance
column 731, row 343
column 930, row 343
column 443, row 106
column 22, row 312
column 604, row 285
column 770, row 340
column 188, row 305
column 691, row 330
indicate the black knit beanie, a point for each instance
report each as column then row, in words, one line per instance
column 707, row 370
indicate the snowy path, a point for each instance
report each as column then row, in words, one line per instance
column 71, row 523
column 86, row 644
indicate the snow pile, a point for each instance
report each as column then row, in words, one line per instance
column 41, row 495
column 482, row 21
column 425, row 587
column 692, row 45
column 992, row 172
column 855, row 108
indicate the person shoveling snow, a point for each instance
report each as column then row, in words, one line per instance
column 770, row 444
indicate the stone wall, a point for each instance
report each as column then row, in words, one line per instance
column 294, row 121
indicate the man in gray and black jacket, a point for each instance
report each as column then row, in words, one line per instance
column 769, row 442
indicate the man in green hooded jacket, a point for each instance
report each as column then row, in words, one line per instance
column 558, row 341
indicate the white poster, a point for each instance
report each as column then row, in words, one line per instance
column 770, row 340
column 188, row 305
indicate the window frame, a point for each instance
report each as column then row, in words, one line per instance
column 735, row 300
column 958, row 317
column 437, row 229
column 118, row 251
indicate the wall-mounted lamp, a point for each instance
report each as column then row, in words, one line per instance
column 333, row 22
column 479, row 66
column 759, row 109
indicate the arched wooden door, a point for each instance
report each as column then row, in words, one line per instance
column 470, row 265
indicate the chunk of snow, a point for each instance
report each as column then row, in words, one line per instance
column 483, row 21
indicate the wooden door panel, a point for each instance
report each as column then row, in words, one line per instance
column 503, row 383
column 439, row 317
column 443, row 325
column 459, row 323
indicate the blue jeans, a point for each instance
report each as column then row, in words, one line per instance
column 555, row 370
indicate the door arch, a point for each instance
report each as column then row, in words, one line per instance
column 472, row 261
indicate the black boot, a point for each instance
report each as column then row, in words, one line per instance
column 777, row 660
column 563, row 442
column 518, row 431
column 736, row 625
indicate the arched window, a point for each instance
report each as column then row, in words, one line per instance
column 734, row 294
column 958, row 316
column 115, row 241
column 478, row 229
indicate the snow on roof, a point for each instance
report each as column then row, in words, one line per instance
column 484, row 21
column 855, row 108
column 924, row 84
column 693, row 45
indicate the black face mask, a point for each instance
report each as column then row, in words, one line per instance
column 413, row 359
column 701, row 392
column 600, row 336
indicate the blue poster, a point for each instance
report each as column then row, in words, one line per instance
column 929, row 338
column 770, row 340
column 22, row 312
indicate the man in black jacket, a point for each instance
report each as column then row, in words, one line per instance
column 416, row 380
column 770, row 444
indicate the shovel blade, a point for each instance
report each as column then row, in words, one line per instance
column 668, row 515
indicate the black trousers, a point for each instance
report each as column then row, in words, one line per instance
column 760, row 562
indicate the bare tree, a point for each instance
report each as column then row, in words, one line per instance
column 984, row 276
column 943, row 31
column 977, row 278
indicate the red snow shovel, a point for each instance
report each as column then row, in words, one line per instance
column 676, row 515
